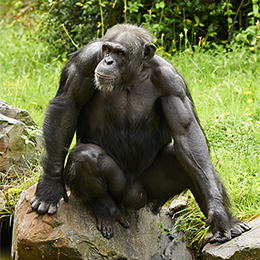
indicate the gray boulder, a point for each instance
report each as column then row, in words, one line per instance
column 71, row 234
column 16, row 113
column 20, row 139
column 244, row 247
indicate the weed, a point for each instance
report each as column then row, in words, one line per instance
column 13, row 184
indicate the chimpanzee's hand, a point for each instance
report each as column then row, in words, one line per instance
column 224, row 226
column 47, row 196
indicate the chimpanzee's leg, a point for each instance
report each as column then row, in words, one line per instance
column 165, row 178
column 96, row 179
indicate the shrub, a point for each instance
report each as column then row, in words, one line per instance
column 177, row 24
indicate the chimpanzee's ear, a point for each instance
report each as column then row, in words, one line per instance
column 149, row 51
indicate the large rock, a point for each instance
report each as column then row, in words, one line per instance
column 16, row 113
column 72, row 234
column 244, row 247
column 20, row 140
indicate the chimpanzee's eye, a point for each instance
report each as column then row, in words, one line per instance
column 106, row 49
column 120, row 53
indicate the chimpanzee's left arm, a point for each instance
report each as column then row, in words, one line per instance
column 193, row 154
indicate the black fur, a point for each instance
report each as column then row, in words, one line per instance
column 134, row 145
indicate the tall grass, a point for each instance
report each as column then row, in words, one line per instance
column 225, row 88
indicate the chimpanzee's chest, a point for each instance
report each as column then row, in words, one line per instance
column 132, row 104
column 139, row 102
column 129, row 126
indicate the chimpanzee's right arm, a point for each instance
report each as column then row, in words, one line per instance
column 76, row 89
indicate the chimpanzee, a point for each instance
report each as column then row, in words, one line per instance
column 127, row 106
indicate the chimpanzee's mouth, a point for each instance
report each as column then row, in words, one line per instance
column 102, row 76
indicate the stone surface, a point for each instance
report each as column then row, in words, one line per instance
column 20, row 140
column 16, row 113
column 244, row 247
column 72, row 234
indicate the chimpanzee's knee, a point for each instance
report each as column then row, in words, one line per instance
column 90, row 172
column 82, row 170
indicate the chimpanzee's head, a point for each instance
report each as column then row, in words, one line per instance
column 124, row 50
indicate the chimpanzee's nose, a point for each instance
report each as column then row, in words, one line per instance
column 109, row 61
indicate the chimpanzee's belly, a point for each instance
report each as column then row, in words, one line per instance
column 133, row 144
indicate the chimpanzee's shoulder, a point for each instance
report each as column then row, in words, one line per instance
column 89, row 51
column 166, row 77
column 161, row 67
column 86, row 59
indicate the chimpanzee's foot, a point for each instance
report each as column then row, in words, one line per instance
column 124, row 223
column 107, row 212
column 105, row 226
column 225, row 228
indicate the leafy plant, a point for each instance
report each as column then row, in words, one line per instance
column 17, row 182
column 72, row 24
column 251, row 35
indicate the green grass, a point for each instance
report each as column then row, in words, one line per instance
column 224, row 86
column 28, row 78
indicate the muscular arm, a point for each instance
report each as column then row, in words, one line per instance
column 61, row 119
column 192, row 152
column 76, row 88
column 189, row 140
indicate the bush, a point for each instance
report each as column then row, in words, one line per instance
column 68, row 25
column 180, row 24
column 177, row 25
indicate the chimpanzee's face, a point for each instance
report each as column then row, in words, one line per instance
column 122, row 59
column 113, row 70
